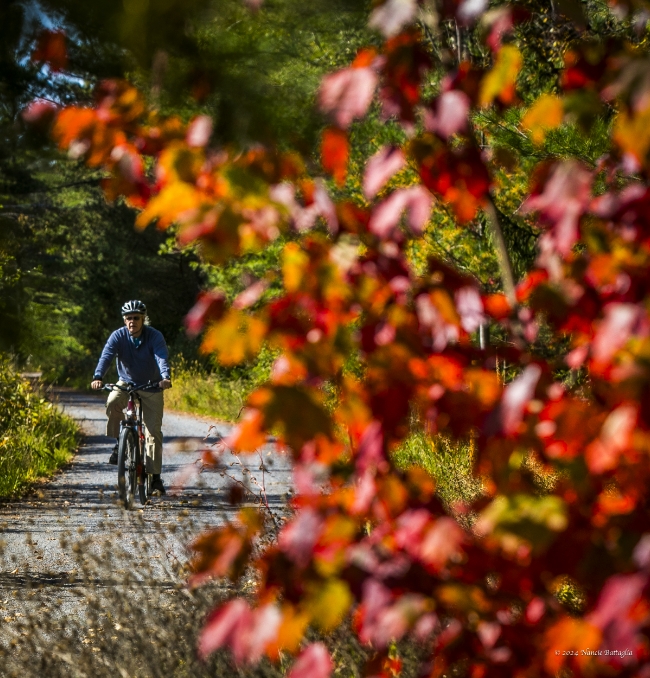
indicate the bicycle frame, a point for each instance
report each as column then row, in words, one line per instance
column 139, row 481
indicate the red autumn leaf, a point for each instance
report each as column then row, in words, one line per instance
column 51, row 50
column 459, row 176
column 417, row 202
column 334, row 153
column 209, row 306
column 313, row 662
column 347, row 94
column 380, row 168
column 404, row 71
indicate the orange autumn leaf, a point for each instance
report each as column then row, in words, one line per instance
column 570, row 635
column 250, row 434
column 335, row 151
column 290, row 632
column 545, row 114
column 73, row 123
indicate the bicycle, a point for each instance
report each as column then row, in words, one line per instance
column 132, row 478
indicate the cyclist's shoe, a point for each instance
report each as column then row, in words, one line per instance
column 157, row 487
column 113, row 458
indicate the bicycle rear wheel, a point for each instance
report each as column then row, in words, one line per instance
column 127, row 452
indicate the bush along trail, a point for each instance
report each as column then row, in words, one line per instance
column 35, row 438
column 87, row 588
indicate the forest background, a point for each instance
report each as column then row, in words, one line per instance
column 69, row 258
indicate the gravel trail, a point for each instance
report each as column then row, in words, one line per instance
column 77, row 511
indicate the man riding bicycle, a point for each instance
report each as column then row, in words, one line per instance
column 141, row 356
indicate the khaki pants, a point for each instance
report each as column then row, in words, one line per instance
column 152, row 416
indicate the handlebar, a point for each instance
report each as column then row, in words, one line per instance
column 149, row 386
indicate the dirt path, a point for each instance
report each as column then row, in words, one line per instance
column 52, row 537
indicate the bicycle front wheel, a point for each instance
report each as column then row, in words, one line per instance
column 127, row 453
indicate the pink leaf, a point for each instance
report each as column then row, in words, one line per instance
column 313, row 662
column 39, row 112
column 488, row 633
column 252, row 637
column 564, row 198
column 199, row 131
column 642, row 552
column 250, row 295
column 392, row 15
column 380, row 168
column 470, row 9
column 221, row 626
column 614, row 331
column 615, row 437
column 365, row 492
column 450, row 115
column 300, row 535
column 416, row 200
column 498, row 22
column 516, row 396
column 325, row 207
column 371, row 446
column 347, row 94
column 246, row 631
column 470, row 308
column 441, row 542
column 619, row 616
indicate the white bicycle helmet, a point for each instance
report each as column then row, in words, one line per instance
column 134, row 306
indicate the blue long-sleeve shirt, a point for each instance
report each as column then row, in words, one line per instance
column 136, row 365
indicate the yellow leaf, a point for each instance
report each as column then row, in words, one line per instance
column 499, row 82
column 632, row 133
column 294, row 264
column 235, row 338
column 328, row 602
column 174, row 200
column 545, row 114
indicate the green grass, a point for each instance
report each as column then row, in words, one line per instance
column 449, row 462
column 198, row 392
column 35, row 438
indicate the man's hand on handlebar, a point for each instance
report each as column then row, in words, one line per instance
column 165, row 383
column 96, row 384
